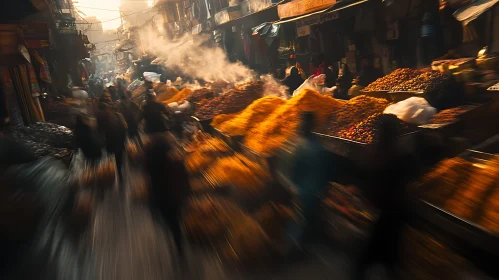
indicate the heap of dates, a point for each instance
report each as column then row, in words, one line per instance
column 363, row 131
column 426, row 82
column 232, row 101
column 393, row 79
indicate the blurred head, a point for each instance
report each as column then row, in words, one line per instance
column 294, row 71
column 307, row 123
column 388, row 130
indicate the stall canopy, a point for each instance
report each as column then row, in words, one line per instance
column 269, row 31
column 224, row 18
column 473, row 10
column 291, row 13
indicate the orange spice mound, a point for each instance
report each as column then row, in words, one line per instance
column 181, row 95
column 164, row 92
column 270, row 134
column 240, row 124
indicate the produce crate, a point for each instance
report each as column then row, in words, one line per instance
column 453, row 128
column 385, row 94
column 397, row 96
column 463, row 229
column 357, row 150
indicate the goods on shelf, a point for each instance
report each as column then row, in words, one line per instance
column 426, row 82
column 181, row 95
column 241, row 123
column 393, row 79
column 354, row 111
column 238, row 171
column 207, row 218
column 448, row 115
column 270, row 134
column 465, row 189
column 232, row 101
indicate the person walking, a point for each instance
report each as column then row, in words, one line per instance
column 131, row 112
column 387, row 178
column 155, row 115
column 113, row 129
column 169, row 185
column 87, row 140
column 308, row 175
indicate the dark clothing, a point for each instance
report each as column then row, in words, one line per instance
column 169, row 184
column 131, row 112
column 112, row 127
column 292, row 82
column 87, row 140
column 387, row 192
column 340, row 94
column 154, row 114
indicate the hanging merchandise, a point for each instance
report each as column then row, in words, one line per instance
column 21, row 81
column 44, row 73
column 14, row 110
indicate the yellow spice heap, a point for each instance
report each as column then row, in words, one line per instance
column 181, row 95
column 238, row 171
column 240, row 124
column 269, row 135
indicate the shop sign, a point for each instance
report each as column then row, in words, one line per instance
column 317, row 19
column 254, row 6
column 302, row 7
column 304, row 30
column 227, row 15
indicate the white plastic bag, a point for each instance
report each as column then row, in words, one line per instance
column 415, row 110
column 313, row 83
column 152, row 76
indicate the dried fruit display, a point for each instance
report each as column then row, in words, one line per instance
column 466, row 190
column 201, row 94
column 353, row 112
column 449, row 115
column 271, row 134
column 204, row 150
column 207, row 218
column 426, row 82
column 232, row 101
column 490, row 218
column 246, row 176
column 241, row 123
column 466, row 202
column 348, row 201
column 363, row 131
column 393, row 79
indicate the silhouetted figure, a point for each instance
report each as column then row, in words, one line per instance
column 309, row 175
column 131, row 112
column 155, row 115
column 389, row 171
column 113, row 129
column 87, row 140
column 169, row 184
column 293, row 80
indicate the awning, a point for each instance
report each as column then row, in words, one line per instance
column 326, row 14
column 267, row 9
column 472, row 11
column 269, row 31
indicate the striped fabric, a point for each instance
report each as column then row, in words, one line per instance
column 472, row 11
